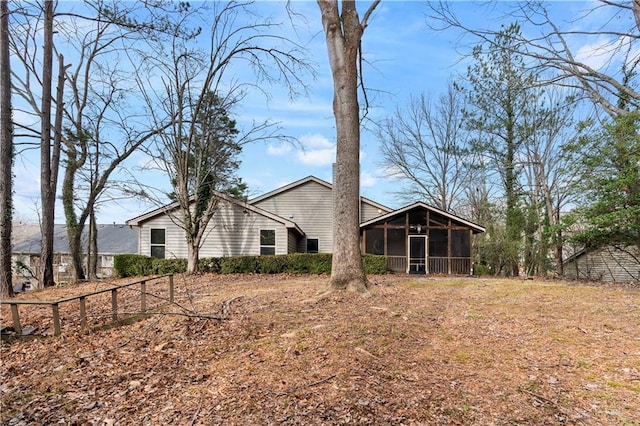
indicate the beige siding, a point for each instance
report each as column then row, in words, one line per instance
column 368, row 212
column 293, row 242
column 608, row 264
column 308, row 205
column 232, row 231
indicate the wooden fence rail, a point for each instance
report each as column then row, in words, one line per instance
column 82, row 298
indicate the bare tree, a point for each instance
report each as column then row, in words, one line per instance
column 550, row 173
column 39, row 98
column 49, row 155
column 427, row 145
column 343, row 30
column 6, row 156
column 99, row 114
column 606, row 74
column 99, row 107
column 198, row 92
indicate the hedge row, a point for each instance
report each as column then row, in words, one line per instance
column 127, row 265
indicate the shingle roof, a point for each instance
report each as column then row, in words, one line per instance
column 474, row 226
column 136, row 221
column 112, row 239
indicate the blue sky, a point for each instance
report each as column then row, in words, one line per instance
column 403, row 57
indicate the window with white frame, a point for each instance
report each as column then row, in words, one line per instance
column 267, row 241
column 157, row 243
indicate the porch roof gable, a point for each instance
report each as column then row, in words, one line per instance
column 474, row 227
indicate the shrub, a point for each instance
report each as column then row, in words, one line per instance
column 169, row 266
column 209, row 264
column 308, row 263
column 238, row 265
column 272, row 264
column 374, row 264
column 480, row 269
column 126, row 265
column 129, row 265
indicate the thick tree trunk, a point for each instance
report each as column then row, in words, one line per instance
column 193, row 256
column 74, row 229
column 6, row 156
column 343, row 31
column 47, row 191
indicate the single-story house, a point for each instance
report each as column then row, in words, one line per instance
column 298, row 218
column 112, row 239
column 609, row 263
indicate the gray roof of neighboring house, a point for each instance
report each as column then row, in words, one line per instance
column 112, row 239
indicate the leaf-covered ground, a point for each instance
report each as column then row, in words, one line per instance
column 420, row 350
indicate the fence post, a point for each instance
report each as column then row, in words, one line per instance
column 114, row 304
column 56, row 319
column 16, row 319
column 83, row 312
column 171, row 288
column 143, row 296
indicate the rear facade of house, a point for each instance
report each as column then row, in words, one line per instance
column 298, row 218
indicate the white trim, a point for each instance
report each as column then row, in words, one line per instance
column 152, row 245
column 426, row 252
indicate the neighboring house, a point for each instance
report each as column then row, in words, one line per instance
column 112, row 239
column 298, row 218
column 607, row 264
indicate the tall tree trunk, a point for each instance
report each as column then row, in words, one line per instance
column 343, row 31
column 513, row 220
column 6, row 156
column 92, row 250
column 47, row 192
column 74, row 230
column 558, row 245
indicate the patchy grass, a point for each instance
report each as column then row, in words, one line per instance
column 420, row 350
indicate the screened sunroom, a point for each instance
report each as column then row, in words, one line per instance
column 421, row 239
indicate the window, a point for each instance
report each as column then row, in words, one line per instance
column 460, row 243
column 106, row 261
column 157, row 243
column 396, row 242
column 374, row 241
column 267, row 241
column 438, row 242
column 312, row 245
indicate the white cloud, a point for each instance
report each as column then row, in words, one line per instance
column 316, row 158
column 279, row 149
column 317, row 151
column 367, row 180
column 316, row 141
column 596, row 55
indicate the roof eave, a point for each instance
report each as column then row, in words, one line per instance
column 475, row 227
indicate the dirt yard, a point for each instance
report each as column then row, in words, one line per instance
column 418, row 351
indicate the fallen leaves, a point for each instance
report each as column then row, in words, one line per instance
column 419, row 351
